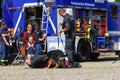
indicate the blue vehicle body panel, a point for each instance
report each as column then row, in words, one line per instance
column 114, row 24
column 11, row 16
column 7, row 15
column 22, row 21
column 14, row 14
column 82, row 3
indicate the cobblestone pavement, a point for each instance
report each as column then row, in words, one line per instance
column 103, row 69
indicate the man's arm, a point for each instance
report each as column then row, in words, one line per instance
column 67, row 25
column 6, row 35
column 64, row 30
column 43, row 37
column 5, row 40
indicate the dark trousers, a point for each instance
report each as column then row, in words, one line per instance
column 37, row 49
column 4, row 52
column 69, row 48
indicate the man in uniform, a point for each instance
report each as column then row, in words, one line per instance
column 69, row 30
column 4, row 45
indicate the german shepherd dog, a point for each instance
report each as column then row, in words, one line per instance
column 53, row 59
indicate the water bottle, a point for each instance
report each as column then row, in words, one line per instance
column 10, row 42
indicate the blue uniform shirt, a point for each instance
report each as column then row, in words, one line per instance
column 3, row 31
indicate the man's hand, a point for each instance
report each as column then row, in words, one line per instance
column 3, row 35
column 60, row 31
column 60, row 24
column 7, row 44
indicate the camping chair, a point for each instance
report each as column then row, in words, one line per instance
column 19, row 59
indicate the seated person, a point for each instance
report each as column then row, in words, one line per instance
column 26, row 35
column 30, row 47
column 40, row 36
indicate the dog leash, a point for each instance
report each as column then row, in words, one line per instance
column 62, row 41
column 60, row 38
column 58, row 41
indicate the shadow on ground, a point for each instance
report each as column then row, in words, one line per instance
column 105, row 59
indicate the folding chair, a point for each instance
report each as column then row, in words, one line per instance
column 19, row 59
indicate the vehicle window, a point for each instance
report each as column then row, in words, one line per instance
column 114, row 11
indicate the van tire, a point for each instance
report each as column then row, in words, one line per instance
column 82, row 49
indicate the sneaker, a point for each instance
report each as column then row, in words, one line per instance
column 28, row 67
column 70, row 66
column 77, row 65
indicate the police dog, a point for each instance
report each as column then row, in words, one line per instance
column 53, row 59
column 56, row 59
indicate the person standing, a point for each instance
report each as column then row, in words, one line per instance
column 19, row 38
column 40, row 36
column 68, row 28
column 4, row 44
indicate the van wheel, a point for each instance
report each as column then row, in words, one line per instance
column 94, row 56
column 83, row 50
